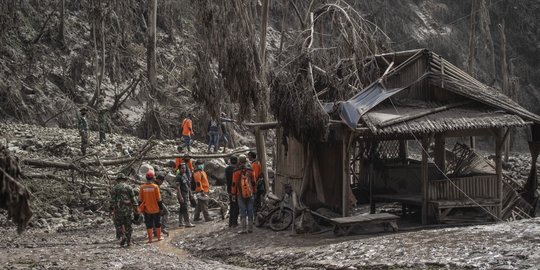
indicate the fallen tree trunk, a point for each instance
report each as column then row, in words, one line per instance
column 40, row 163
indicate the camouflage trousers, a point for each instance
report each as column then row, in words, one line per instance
column 122, row 223
column 84, row 142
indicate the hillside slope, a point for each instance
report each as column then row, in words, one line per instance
column 43, row 80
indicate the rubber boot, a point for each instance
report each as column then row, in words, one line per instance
column 250, row 225
column 180, row 221
column 187, row 222
column 159, row 234
column 128, row 241
column 123, row 241
column 243, row 228
column 150, row 234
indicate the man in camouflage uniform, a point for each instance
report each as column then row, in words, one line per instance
column 83, row 130
column 103, row 123
column 123, row 206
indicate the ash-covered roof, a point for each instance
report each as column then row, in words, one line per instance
column 385, row 120
column 491, row 108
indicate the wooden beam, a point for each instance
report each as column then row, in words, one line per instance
column 262, row 125
column 261, row 154
column 346, row 173
column 440, row 153
column 403, row 149
column 409, row 117
column 499, row 141
column 424, row 177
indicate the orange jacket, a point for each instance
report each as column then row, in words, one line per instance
column 201, row 181
column 187, row 127
column 236, row 178
column 189, row 164
column 149, row 195
column 256, row 167
column 177, row 163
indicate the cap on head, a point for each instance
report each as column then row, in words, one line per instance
column 179, row 148
column 233, row 159
column 252, row 155
column 242, row 159
column 150, row 175
column 121, row 176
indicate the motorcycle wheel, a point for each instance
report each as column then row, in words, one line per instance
column 281, row 219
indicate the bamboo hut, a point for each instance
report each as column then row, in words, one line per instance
column 421, row 97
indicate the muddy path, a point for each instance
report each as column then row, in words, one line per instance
column 96, row 249
column 213, row 245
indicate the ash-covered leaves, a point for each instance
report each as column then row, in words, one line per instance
column 295, row 105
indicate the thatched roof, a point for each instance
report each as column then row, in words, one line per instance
column 380, row 120
column 428, row 73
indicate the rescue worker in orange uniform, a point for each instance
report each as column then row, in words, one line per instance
column 187, row 131
column 244, row 189
column 256, row 167
column 202, row 187
column 150, row 205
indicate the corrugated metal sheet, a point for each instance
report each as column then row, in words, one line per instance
column 460, row 118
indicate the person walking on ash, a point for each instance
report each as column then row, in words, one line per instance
column 123, row 207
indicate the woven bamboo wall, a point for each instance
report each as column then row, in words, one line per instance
column 476, row 187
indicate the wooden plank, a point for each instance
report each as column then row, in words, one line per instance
column 371, row 218
column 407, row 199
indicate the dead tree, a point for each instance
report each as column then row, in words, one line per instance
column 151, row 46
column 62, row 21
column 13, row 196
column 98, row 28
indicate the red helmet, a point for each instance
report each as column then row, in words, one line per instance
column 150, row 175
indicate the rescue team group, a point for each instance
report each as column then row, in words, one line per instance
column 192, row 187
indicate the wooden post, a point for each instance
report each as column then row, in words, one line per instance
column 261, row 154
column 440, row 153
column 346, row 171
column 499, row 142
column 473, row 142
column 403, row 150
column 424, row 176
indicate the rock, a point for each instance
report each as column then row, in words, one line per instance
column 88, row 212
column 144, row 168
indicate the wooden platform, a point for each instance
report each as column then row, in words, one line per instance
column 405, row 199
column 344, row 225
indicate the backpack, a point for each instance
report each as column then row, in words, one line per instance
column 246, row 188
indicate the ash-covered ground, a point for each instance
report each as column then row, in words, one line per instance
column 71, row 227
